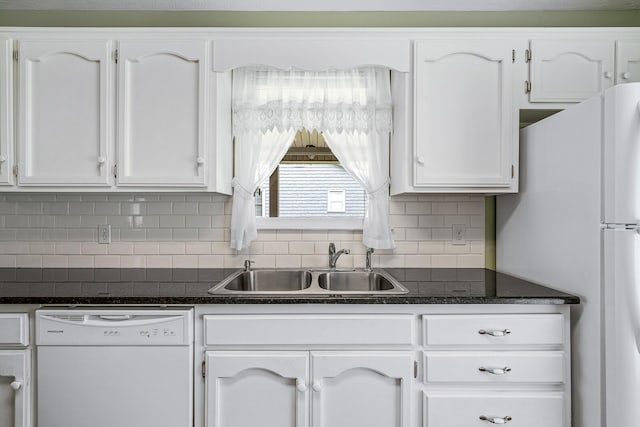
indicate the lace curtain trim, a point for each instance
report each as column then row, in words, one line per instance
column 319, row 116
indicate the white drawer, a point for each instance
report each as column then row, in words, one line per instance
column 544, row 409
column 494, row 367
column 303, row 329
column 14, row 329
column 494, row 330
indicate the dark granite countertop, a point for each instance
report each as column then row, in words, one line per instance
column 190, row 286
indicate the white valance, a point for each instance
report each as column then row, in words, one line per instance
column 333, row 101
column 352, row 108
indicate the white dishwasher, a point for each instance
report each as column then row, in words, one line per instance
column 114, row 368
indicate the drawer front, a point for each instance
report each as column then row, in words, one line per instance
column 14, row 329
column 515, row 409
column 300, row 329
column 494, row 330
column 494, row 367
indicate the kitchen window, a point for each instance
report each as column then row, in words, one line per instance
column 352, row 110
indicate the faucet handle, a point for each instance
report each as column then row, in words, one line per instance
column 247, row 264
column 367, row 265
column 332, row 248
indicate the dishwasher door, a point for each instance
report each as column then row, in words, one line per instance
column 114, row 369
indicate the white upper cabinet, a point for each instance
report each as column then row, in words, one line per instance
column 627, row 61
column 6, row 134
column 161, row 113
column 463, row 116
column 64, row 119
column 570, row 70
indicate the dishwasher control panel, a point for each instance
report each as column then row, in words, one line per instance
column 114, row 327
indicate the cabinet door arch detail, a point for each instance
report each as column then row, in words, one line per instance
column 360, row 389
column 463, row 114
column 570, row 70
column 64, row 122
column 162, row 109
column 274, row 383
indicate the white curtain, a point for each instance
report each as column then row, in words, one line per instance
column 351, row 107
column 365, row 157
column 257, row 156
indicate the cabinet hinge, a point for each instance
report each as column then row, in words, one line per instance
column 415, row 369
column 513, row 56
column 115, row 55
column 527, row 55
column 527, row 86
column 204, row 369
column 16, row 56
column 15, row 171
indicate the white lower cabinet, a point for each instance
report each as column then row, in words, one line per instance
column 515, row 409
column 484, row 369
column 15, row 371
column 318, row 365
column 299, row 388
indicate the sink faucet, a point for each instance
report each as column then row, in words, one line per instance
column 367, row 264
column 333, row 255
column 247, row 264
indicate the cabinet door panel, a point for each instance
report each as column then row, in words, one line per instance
column 570, row 70
column 64, row 122
column 628, row 61
column 15, row 373
column 358, row 389
column 517, row 409
column 161, row 113
column 247, row 389
column 463, row 118
column 6, row 134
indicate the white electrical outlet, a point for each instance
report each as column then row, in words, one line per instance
column 104, row 233
column 458, row 234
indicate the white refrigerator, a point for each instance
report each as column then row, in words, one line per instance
column 574, row 226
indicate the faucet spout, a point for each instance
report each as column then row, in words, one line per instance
column 333, row 255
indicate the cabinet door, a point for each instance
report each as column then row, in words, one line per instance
column 64, row 122
column 14, row 388
column 6, row 85
column 361, row 389
column 627, row 61
column 255, row 388
column 570, row 70
column 464, row 128
column 161, row 98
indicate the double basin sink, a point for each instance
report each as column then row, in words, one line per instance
column 308, row 282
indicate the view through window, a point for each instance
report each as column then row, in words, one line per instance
column 309, row 182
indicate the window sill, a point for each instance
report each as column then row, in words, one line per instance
column 317, row 223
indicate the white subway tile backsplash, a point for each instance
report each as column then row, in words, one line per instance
column 444, row 208
column 180, row 230
column 138, row 235
column 187, row 208
column 210, row 261
column 418, row 208
column 172, row 221
column 80, row 261
column 430, row 221
column 444, row 261
column 288, row 261
column 107, row 208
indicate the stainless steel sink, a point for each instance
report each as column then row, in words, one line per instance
column 356, row 281
column 308, row 282
column 265, row 281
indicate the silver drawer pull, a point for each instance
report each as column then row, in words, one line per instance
column 495, row 371
column 496, row 420
column 495, row 332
